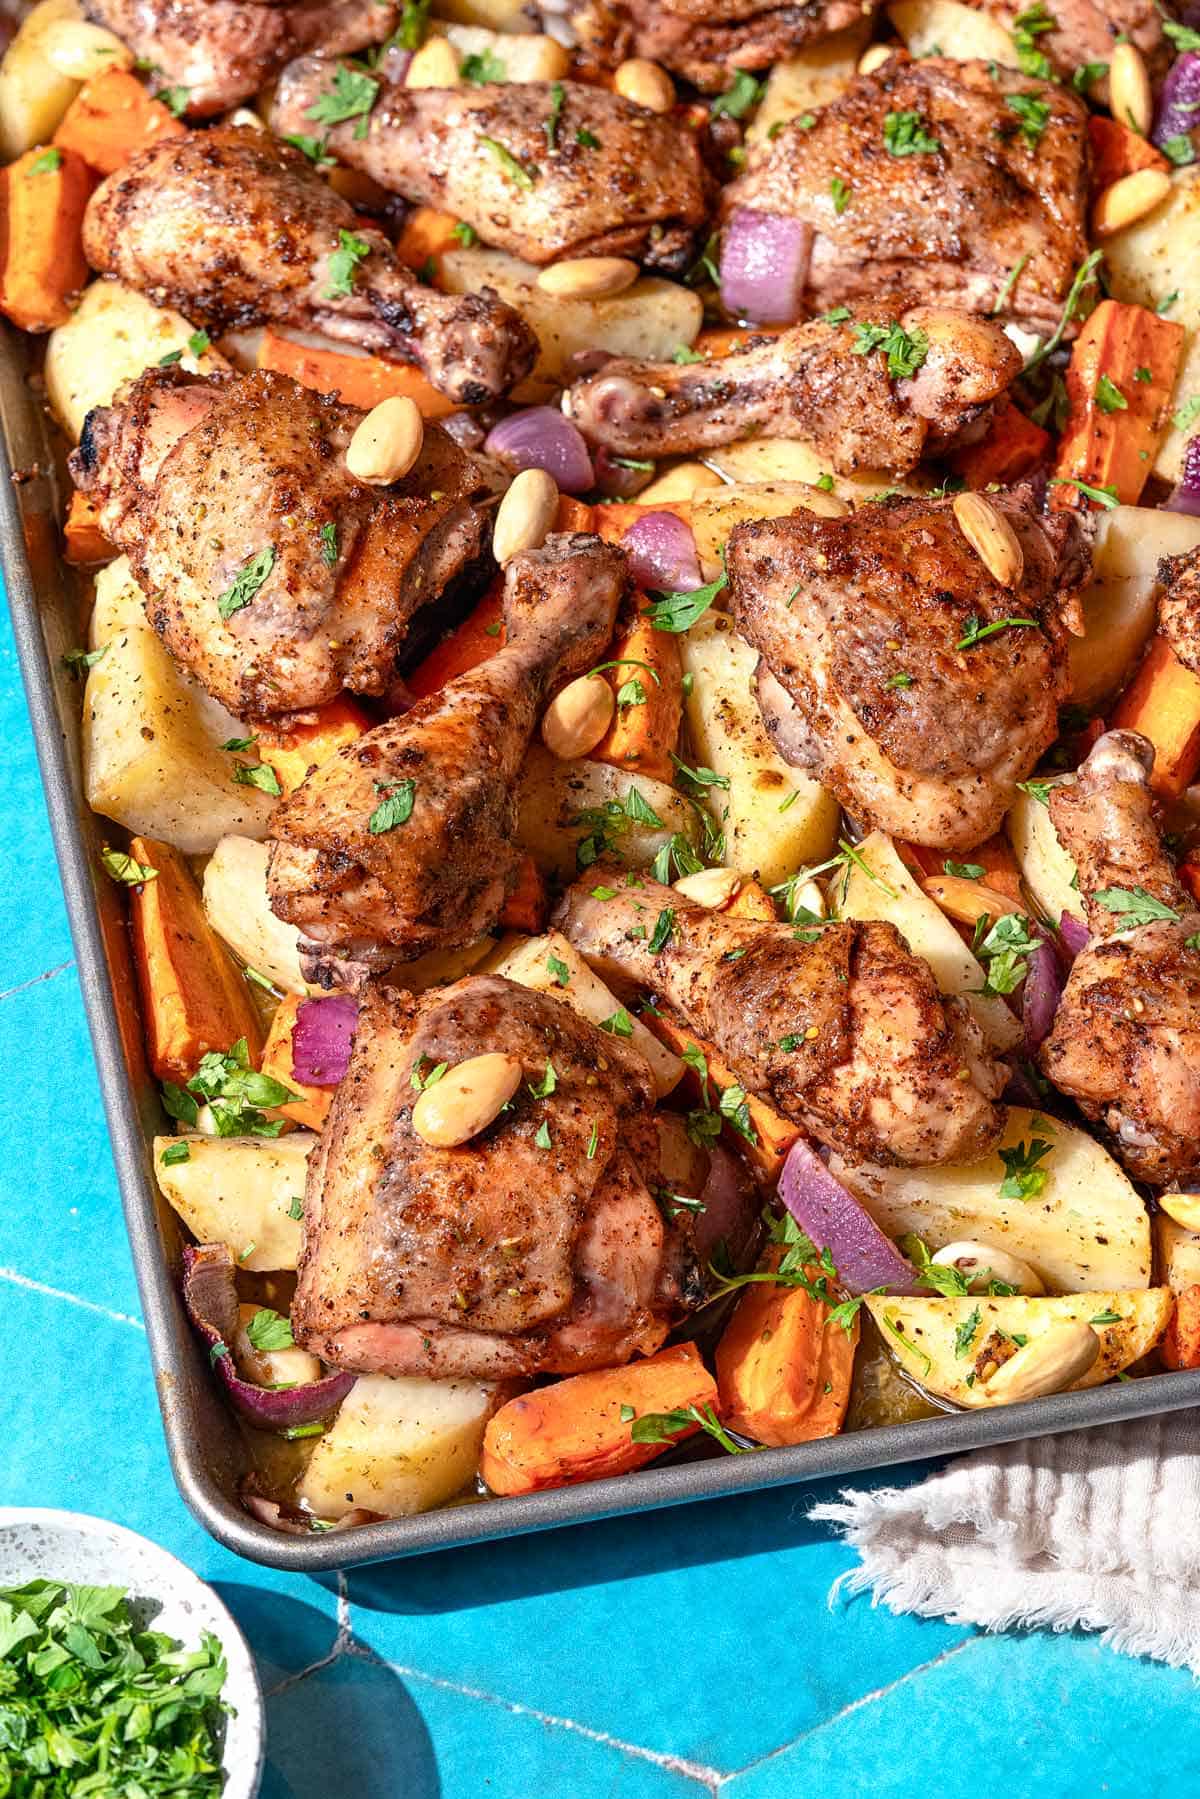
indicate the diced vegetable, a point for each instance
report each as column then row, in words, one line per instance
column 311, row 1106
column 757, row 460
column 424, row 236
column 540, row 437
column 1180, row 1346
column 1118, row 416
column 764, row 266
column 473, row 641
column 1178, row 99
column 647, row 680
column 575, row 1430
column 944, row 28
column 1163, row 703
column 294, row 750
column 398, row 1446
column 939, row 1342
column 528, row 904
column 803, row 83
column 661, row 551
column 247, row 1192
column 715, row 514
column 1117, row 150
column 765, row 1136
column 1179, row 1266
column 84, row 544
column 1013, row 446
column 565, row 807
column 193, row 998
column 113, row 117
column 235, row 903
column 1046, row 868
column 113, row 334
column 1084, row 1227
column 41, row 248
column 152, row 756
column 828, row 1212
column 1120, row 601
column 752, row 901
column 508, row 55
column 783, row 1371
column 33, row 95
column 359, row 380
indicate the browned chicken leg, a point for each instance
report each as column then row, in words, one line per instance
column 235, row 228
column 708, row 40
column 406, row 837
column 544, row 169
column 990, row 215
column 270, row 573
column 536, row 1247
column 844, row 1032
column 220, row 52
column 895, row 667
column 817, row 382
column 1126, row 1041
column 1079, row 32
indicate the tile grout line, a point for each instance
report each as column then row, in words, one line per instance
column 37, row 979
column 72, row 1299
column 341, row 1645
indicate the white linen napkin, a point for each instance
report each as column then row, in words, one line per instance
column 1098, row 1530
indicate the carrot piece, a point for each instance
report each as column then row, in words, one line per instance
column 41, row 243
column 360, row 381
column 473, row 641
column 294, row 750
column 1118, row 151
column 193, row 998
column 1125, row 359
column 528, row 905
column 84, row 543
column 312, row 1107
column 425, row 236
column 727, row 341
column 573, row 1431
column 752, row 901
column 773, row 1134
column 1189, row 873
column 642, row 736
column 1163, row 703
column 573, row 515
column 783, row 1371
column 110, row 118
column 1011, row 447
column 1180, row 1346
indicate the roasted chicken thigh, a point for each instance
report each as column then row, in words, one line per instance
column 235, row 229
column 706, row 42
column 536, row 1247
column 897, row 668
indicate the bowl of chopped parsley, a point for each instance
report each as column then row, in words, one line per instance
column 120, row 1671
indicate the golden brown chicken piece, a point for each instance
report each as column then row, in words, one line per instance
column 707, row 42
column 1072, row 33
column 990, row 215
column 1179, row 606
column 896, row 668
column 840, row 1027
column 270, row 573
column 219, row 52
column 819, row 382
column 1126, row 1040
column 543, row 169
column 406, row 838
column 235, row 228
column 536, row 1247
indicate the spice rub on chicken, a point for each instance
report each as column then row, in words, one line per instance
column 535, row 1247
column 543, row 169
column 406, row 838
column 1126, row 1039
column 863, row 395
column 960, row 184
column 707, row 41
column 270, row 573
column 897, row 667
column 840, row 1026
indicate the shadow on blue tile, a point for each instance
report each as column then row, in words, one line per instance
column 285, row 1634
column 351, row 1728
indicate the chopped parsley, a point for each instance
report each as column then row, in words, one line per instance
column 257, row 774
column 482, row 67
column 974, row 631
column 1004, row 951
column 329, row 544
column 905, row 350
column 395, row 808
column 558, row 94
column 122, row 868
column 586, row 139
column 465, row 234
column 1109, row 397
column 314, row 148
column 175, row 1152
column 1037, row 790
column 618, row 1023
column 1023, row 1179
column 247, row 582
column 352, row 96
column 966, row 1332
column 1134, row 906
column 46, row 163
column 1179, row 149
column 966, row 871
column 678, row 612
column 269, row 1331
column 541, row 1136
column 1103, row 496
column 558, row 968
column 682, row 355
column 664, row 926
column 511, row 165
column 79, row 661
column 1082, row 276
column 900, row 682
column 665, row 1427
column 235, row 1093
column 343, row 264
column 839, row 193
column 1182, row 36
column 1033, row 116
column 737, row 100
column 296, row 1209
column 1086, row 74
column 904, row 134
column 1186, row 415
column 1028, row 26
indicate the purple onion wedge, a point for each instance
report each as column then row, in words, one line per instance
column 828, row 1213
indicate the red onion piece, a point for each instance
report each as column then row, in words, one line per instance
column 1186, row 497
column 836, row 1221
column 615, row 479
column 1178, row 112
column 731, row 1208
column 296, row 1523
column 210, row 1295
column 540, row 437
column 764, row 266
column 1040, row 996
column 1074, row 935
column 322, row 1038
column 662, row 554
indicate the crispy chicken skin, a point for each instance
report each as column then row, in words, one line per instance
column 439, row 879
column 501, row 1257
column 859, row 622
column 639, row 190
column 201, row 478
column 1126, row 1040
column 946, row 226
column 223, row 51
column 846, row 1033
column 1179, row 606
column 809, row 383
column 706, row 41
column 235, row 229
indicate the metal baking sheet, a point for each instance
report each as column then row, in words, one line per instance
column 206, row 1449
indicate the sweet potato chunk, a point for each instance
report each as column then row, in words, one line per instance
column 783, row 1371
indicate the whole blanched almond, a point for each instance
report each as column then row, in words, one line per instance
column 991, row 537
column 577, row 717
column 711, row 887
column 466, row 1099
column 1130, row 98
column 1048, row 1364
column 525, row 516
column 646, row 83
column 1126, row 201
column 387, row 442
column 588, row 277
column 979, row 1265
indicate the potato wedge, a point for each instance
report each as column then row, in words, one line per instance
column 1120, row 601
column 240, row 1191
column 527, row 962
column 762, row 459
column 152, row 756
column 775, row 817
column 398, row 1446
column 511, row 55
column 651, row 318
column 554, row 794
column 1046, row 869
column 113, row 334
column 808, row 81
column 1087, row 1230
column 923, row 1334
column 889, row 892
column 944, row 28
column 496, row 15
column 1178, row 1252
column 235, row 904
column 715, row 514
column 33, row 95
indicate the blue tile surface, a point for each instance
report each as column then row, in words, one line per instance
column 687, row 1652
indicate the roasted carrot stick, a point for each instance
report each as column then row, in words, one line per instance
column 727, row 341
column 293, row 751
column 42, row 199
column 112, row 116
column 783, row 1371
column 773, row 1135
column 84, row 544
column 424, row 237
column 1163, row 703
column 1012, row 446
column 649, row 672
column 574, row 1431
column 1118, row 151
column 193, row 998
column 473, row 641
column 312, row 1106
column 358, row 380
column 1180, row 1347
column 752, row 901
column 1119, row 383
column 528, row 905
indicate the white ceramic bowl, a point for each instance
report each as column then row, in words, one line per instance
column 39, row 1544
